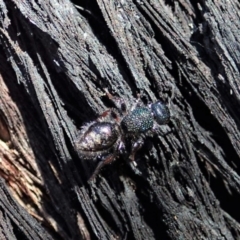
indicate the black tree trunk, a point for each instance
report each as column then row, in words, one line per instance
column 56, row 61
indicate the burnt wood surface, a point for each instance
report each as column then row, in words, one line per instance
column 56, row 59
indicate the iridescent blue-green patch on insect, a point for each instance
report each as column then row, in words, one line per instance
column 139, row 120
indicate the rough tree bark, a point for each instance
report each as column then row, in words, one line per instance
column 56, row 61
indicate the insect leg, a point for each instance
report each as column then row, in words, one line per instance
column 110, row 113
column 108, row 159
column 119, row 103
column 135, row 147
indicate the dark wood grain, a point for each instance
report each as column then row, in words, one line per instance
column 56, row 61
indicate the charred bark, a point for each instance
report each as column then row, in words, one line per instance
column 55, row 63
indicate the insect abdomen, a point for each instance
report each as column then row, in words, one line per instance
column 100, row 136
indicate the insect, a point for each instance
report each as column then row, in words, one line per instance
column 109, row 135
